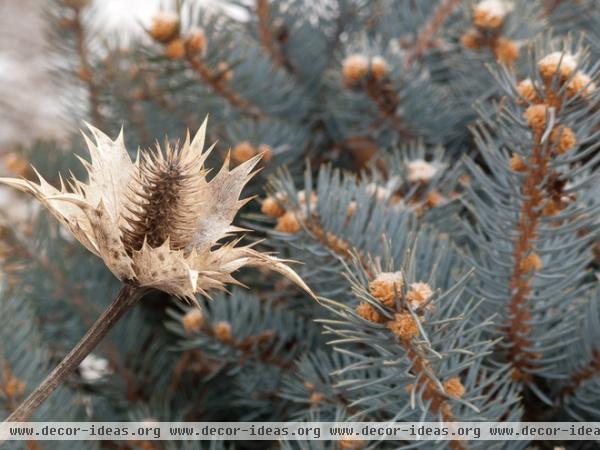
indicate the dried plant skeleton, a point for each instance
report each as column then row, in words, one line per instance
column 157, row 221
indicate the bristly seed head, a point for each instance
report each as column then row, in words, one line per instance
column 157, row 221
column 159, row 202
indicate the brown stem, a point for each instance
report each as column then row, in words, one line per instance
column 518, row 328
column 126, row 297
column 425, row 37
column 151, row 93
column 421, row 368
column 215, row 80
column 385, row 97
column 85, row 71
column 582, row 374
column 266, row 37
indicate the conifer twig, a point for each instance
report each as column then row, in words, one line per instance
column 85, row 71
column 584, row 373
column 127, row 297
column 424, row 39
column 385, row 97
column 267, row 40
column 213, row 79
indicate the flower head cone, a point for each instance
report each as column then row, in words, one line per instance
column 157, row 221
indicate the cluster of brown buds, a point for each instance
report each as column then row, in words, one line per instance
column 488, row 17
column 244, row 151
column 371, row 75
column 194, row 321
column 357, row 67
column 409, row 304
column 559, row 74
column 388, row 289
column 166, row 29
column 561, row 67
column 289, row 219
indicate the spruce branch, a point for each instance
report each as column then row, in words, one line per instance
column 265, row 33
column 525, row 262
column 542, row 196
column 85, row 73
column 216, row 81
column 385, row 97
column 584, row 373
column 128, row 295
column 294, row 216
column 535, row 146
column 425, row 36
column 191, row 47
column 371, row 76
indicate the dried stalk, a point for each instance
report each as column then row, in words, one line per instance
column 127, row 297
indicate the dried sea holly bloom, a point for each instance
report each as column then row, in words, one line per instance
column 157, row 221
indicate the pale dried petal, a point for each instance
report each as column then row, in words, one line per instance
column 219, row 202
column 215, row 268
column 258, row 259
column 109, row 170
column 106, row 235
column 166, row 270
column 68, row 214
column 197, row 145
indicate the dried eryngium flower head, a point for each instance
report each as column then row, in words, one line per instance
column 158, row 222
